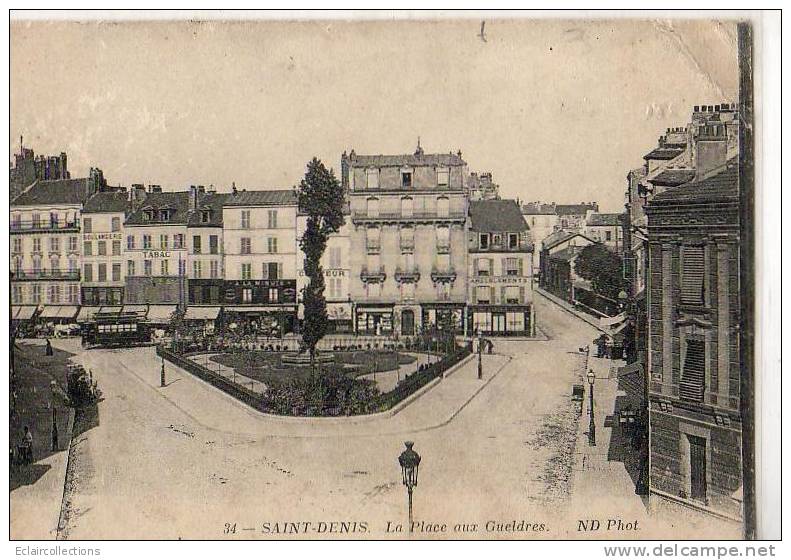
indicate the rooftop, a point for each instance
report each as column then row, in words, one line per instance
column 281, row 197
column 667, row 153
column 175, row 201
column 575, row 209
column 106, row 202
column 597, row 219
column 417, row 159
column 496, row 216
column 63, row 191
column 722, row 187
column 673, row 177
column 561, row 236
column 538, row 208
column 567, row 254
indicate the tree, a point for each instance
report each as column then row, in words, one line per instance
column 321, row 198
column 602, row 268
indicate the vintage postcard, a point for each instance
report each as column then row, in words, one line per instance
column 362, row 277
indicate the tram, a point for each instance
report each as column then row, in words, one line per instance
column 116, row 329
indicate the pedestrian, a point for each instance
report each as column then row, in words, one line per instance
column 48, row 348
column 26, row 446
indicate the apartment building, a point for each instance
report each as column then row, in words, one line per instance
column 102, row 241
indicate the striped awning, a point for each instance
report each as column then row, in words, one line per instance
column 67, row 312
column 258, row 309
column 86, row 313
column 23, row 312
column 202, row 313
column 50, row 312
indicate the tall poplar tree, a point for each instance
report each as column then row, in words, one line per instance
column 320, row 197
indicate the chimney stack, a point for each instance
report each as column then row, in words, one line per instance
column 711, row 150
column 193, row 198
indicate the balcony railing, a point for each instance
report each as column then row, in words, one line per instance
column 416, row 215
column 443, row 274
column 50, row 274
column 373, row 247
column 41, row 225
column 407, row 274
column 373, row 274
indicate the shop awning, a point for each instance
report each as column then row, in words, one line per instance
column 607, row 321
column 142, row 308
column 23, row 312
column 160, row 313
column 202, row 313
column 50, row 312
column 259, row 309
column 67, row 312
column 110, row 309
column 86, row 313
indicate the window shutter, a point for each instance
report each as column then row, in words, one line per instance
column 504, row 263
column 491, row 295
column 693, row 270
column 503, row 295
column 280, row 270
column 521, row 294
column 520, row 262
column 693, row 378
column 265, row 271
column 491, row 267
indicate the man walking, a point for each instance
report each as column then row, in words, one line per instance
column 27, row 446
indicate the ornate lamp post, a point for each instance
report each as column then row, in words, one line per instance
column 480, row 354
column 409, row 461
column 162, row 374
column 592, row 426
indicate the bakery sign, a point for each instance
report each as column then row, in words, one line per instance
column 101, row 236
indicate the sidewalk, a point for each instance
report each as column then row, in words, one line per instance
column 587, row 317
column 604, row 475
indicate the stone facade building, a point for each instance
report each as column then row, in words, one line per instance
column 408, row 243
column 500, row 274
column 693, row 358
column 102, row 240
column 606, row 229
column 542, row 220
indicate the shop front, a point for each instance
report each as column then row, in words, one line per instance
column 260, row 307
column 102, row 295
column 499, row 320
column 374, row 320
column 443, row 316
column 339, row 316
column 206, row 291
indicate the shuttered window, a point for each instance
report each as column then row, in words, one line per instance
column 693, row 376
column 692, row 276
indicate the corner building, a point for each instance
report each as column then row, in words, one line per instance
column 408, row 241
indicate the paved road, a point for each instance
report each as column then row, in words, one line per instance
column 184, row 460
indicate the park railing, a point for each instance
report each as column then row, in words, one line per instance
column 423, row 377
column 247, row 396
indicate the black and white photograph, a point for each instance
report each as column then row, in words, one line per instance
column 386, row 276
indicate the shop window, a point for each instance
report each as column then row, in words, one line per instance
column 273, row 295
column 247, row 295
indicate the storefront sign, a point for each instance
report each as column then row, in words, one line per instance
column 156, row 254
column 329, row 273
column 499, row 280
column 101, row 236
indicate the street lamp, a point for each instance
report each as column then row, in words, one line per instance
column 480, row 354
column 162, row 373
column 409, row 461
column 592, row 426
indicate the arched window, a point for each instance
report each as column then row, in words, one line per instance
column 443, row 207
column 372, row 207
column 407, row 206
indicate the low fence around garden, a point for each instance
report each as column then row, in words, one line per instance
column 382, row 402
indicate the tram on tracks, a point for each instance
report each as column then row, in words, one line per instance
column 116, row 329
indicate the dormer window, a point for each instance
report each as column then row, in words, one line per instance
column 372, row 178
column 443, row 177
column 406, row 178
column 148, row 215
column 205, row 216
column 164, row 215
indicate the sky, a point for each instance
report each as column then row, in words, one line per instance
column 558, row 111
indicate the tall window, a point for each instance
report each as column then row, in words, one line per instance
column 246, row 271
column 178, row 241
column 407, row 291
column 512, row 294
column 197, row 269
column 163, row 267
column 87, row 225
column 163, row 241
column 213, row 245
column 116, row 272
column 513, row 241
column 87, row 272
column 484, row 241
column 35, row 293
column 372, row 240
column 512, row 267
column 483, row 267
column 692, row 275
column 182, row 267
column 693, row 376
column 272, row 270
column 244, row 247
column 443, row 207
column 483, row 295
column 271, row 244
column 407, row 207
column 74, row 265
column 54, row 244
column 196, row 244
column 372, row 207
column 245, row 219
column 54, row 263
column 214, row 269
column 116, row 248
column 130, row 268
column 247, row 295
column 87, row 248
column 115, row 224
column 147, row 267
column 407, row 235
column 443, row 291
column 146, row 242
column 101, row 248
column 74, row 293
column 335, row 257
column 102, row 272
column 73, row 243
column 36, row 264
column 443, row 177
column 271, row 218
column 130, row 242
column 372, row 178
column 17, row 294
column 36, row 221
column 443, row 239
column 406, row 179
column 36, row 244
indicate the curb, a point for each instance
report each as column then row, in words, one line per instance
column 62, row 513
column 569, row 309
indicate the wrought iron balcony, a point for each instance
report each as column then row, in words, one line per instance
column 373, row 274
column 407, row 275
column 50, row 274
column 31, row 226
column 443, row 274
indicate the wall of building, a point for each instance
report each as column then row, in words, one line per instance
column 163, row 285
column 103, row 275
